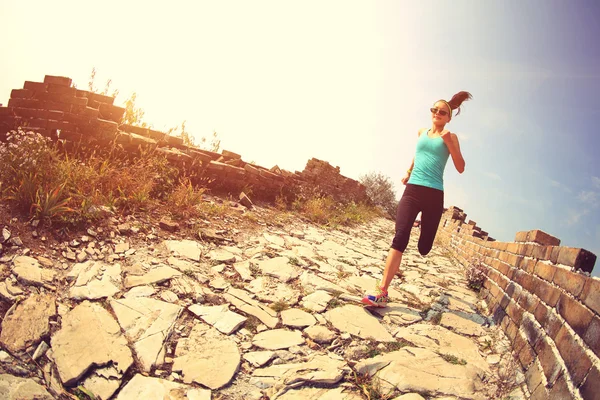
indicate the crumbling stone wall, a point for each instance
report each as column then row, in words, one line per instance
column 56, row 109
column 542, row 296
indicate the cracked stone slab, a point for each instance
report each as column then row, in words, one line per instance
column 443, row 341
column 185, row 248
column 224, row 320
column 259, row 358
column 399, row 314
column 149, row 388
column 27, row 323
column 269, row 289
column 296, row 318
column 29, row 272
column 15, row 388
column 280, row 268
column 222, row 256
column 206, row 357
column 89, row 336
column 461, row 325
column 277, row 339
column 312, row 393
column 318, row 369
column 104, row 382
column 317, row 301
column 357, row 321
column 147, row 324
column 242, row 301
column 243, row 268
column 95, row 280
column 155, row 275
column 413, row 369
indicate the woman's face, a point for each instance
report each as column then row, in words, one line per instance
column 437, row 110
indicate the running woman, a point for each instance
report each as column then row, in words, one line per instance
column 424, row 190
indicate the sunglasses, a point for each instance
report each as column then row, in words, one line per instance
column 438, row 111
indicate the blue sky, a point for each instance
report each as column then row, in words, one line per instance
column 351, row 83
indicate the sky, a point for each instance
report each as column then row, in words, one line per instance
column 351, row 83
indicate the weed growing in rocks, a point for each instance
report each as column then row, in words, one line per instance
column 342, row 274
column 371, row 387
column 294, row 261
column 453, row 359
column 279, row 306
column 476, row 274
column 436, row 319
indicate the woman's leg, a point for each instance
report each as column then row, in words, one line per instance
column 433, row 208
column 392, row 265
column 407, row 212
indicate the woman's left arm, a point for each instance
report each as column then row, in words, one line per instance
column 451, row 141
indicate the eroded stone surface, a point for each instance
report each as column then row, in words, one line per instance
column 89, row 336
column 15, row 388
column 296, row 318
column 27, row 323
column 147, row 323
column 357, row 321
column 414, row 369
column 148, row 388
column 207, row 357
column 277, row 339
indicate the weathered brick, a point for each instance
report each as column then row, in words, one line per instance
column 502, row 281
column 30, row 113
column 541, row 237
column 589, row 390
column 99, row 98
column 572, row 282
column 21, row 94
column 530, row 329
column 577, row 258
column 55, row 115
column 54, row 88
column 528, row 265
column 548, row 319
column 545, row 291
column 513, row 290
column 560, row 390
column 576, row 360
column 27, row 123
column 549, row 360
column 577, row 315
column 500, row 266
column 35, row 86
column 71, row 136
column 545, row 270
column 541, row 313
column 526, row 355
column 512, row 248
column 533, row 376
column 62, row 125
column 498, row 314
column 521, row 236
column 554, row 254
column 592, row 335
column 541, row 393
column 514, row 312
column 52, row 105
column 511, row 273
column 58, row 80
column 81, row 93
column 541, row 252
column 524, row 279
column 528, row 302
column 25, row 103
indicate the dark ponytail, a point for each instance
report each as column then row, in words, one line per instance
column 458, row 99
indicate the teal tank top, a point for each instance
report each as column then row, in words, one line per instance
column 430, row 161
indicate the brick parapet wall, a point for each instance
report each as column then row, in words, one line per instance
column 56, row 109
column 542, row 296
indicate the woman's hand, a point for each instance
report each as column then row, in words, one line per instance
column 405, row 179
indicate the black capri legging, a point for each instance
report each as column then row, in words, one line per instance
column 428, row 201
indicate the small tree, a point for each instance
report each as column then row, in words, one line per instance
column 380, row 190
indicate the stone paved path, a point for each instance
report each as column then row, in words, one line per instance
column 275, row 316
